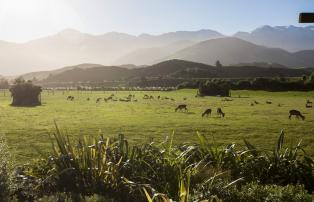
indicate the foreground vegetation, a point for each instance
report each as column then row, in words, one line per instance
column 109, row 169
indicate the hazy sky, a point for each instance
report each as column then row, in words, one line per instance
column 22, row 20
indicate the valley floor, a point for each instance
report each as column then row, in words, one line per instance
column 27, row 129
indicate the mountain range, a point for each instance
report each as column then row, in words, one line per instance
column 231, row 50
column 289, row 38
column 290, row 46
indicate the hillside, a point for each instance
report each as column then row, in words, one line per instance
column 170, row 69
column 44, row 74
column 306, row 55
column 149, row 56
column 233, row 50
column 93, row 74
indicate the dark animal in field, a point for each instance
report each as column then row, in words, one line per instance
column 98, row 100
column 279, row 105
column 70, row 97
column 252, row 104
column 124, row 100
column 158, row 97
column 151, row 97
column 88, row 99
column 220, row 112
column 309, row 102
column 296, row 113
column 256, row 102
column 172, row 99
column 268, row 102
column 207, row 112
column 181, row 107
column 308, row 105
column 185, row 98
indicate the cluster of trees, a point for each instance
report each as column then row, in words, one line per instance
column 25, row 93
column 214, row 88
column 223, row 86
column 276, row 84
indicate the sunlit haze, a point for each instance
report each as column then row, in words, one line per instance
column 22, row 20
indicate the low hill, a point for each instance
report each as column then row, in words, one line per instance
column 170, row 69
column 93, row 74
column 233, row 50
column 45, row 74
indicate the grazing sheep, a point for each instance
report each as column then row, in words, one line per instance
column 207, row 112
column 256, row 102
column 296, row 113
column 308, row 105
column 181, row 107
column 220, row 112
column 268, row 102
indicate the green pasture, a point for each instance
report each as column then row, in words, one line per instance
column 27, row 129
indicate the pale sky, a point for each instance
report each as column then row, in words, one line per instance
column 23, row 20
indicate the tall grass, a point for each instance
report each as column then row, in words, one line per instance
column 111, row 168
column 5, row 170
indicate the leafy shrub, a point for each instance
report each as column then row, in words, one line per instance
column 110, row 168
column 254, row 192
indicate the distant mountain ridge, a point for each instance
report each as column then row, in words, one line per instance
column 70, row 47
column 290, row 38
column 73, row 47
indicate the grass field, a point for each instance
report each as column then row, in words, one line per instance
column 28, row 128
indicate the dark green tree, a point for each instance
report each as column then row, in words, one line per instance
column 24, row 93
column 218, row 64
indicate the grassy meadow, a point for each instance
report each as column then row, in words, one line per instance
column 27, row 128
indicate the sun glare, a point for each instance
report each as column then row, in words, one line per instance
column 51, row 15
